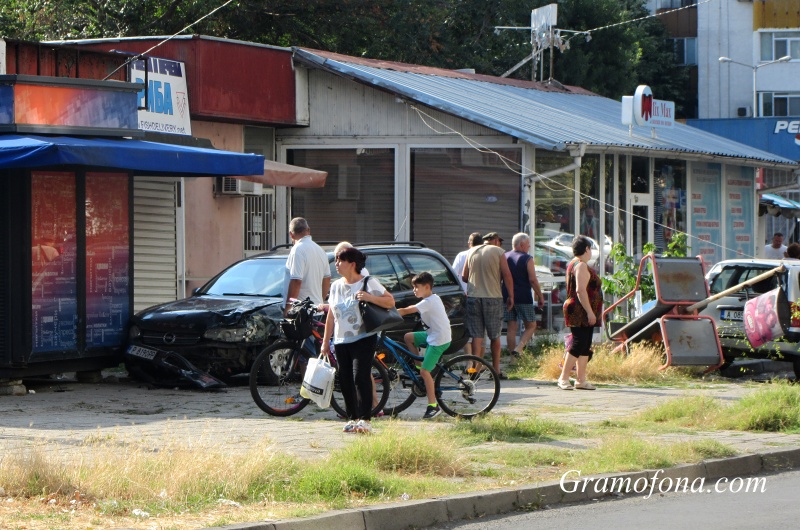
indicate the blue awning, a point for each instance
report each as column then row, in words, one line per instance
column 777, row 205
column 137, row 156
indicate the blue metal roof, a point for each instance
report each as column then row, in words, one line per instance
column 549, row 119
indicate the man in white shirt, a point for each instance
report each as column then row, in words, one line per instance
column 475, row 239
column 308, row 274
column 777, row 249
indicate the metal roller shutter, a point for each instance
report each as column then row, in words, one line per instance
column 459, row 191
column 154, row 242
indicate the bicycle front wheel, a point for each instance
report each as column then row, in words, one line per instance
column 382, row 388
column 467, row 386
column 275, row 379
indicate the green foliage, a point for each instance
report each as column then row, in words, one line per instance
column 623, row 280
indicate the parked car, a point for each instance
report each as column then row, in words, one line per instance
column 554, row 259
column 563, row 242
column 728, row 311
column 228, row 321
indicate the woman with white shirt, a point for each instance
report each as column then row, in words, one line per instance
column 355, row 348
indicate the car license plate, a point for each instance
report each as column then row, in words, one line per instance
column 144, row 353
column 728, row 314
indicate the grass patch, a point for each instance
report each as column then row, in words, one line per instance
column 689, row 411
column 504, row 428
column 639, row 366
column 774, row 408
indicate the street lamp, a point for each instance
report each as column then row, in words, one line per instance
column 784, row 59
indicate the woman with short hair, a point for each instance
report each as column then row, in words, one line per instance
column 582, row 311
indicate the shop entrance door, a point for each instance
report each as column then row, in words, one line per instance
column 641, row 226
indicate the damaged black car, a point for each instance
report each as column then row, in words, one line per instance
column 223, row 326
column 219, row 329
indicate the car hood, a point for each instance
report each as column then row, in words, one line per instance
column 203, row 312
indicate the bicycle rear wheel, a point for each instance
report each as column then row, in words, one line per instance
column 469, row 386
column 382, row 388
column 275, row 379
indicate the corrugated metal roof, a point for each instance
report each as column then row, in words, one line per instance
column 547, row 117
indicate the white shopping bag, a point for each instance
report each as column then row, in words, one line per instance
column 318, row 381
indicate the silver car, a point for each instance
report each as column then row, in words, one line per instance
column 728, row 311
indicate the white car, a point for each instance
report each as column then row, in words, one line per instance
column 728, row 311
column 563, row 241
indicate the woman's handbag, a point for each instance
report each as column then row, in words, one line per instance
column 318, row 381
column 377, row 318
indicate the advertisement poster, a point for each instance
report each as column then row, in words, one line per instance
column 107, row 274
column 740, row 195
column 53, row 234
column 706, row 212
column 166, row 109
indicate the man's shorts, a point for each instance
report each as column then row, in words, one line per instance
column 432, row 353
column 526, row 312
column 484, row 317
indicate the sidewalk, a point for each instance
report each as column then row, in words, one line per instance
column 68, row 413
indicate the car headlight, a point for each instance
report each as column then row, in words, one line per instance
column 226, row 334
column 134, row 332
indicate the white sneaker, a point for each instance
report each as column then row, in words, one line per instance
column 363, row 427
column 586, row 385
column 565, row 385
column 349, row 427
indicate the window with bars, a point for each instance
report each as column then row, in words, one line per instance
column 259, row 225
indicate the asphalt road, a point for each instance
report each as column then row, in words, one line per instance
column 775, row 503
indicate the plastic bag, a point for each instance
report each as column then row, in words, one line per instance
column 318, row 381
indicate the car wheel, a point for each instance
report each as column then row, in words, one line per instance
column 796, row 366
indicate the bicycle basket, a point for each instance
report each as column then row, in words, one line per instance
column 297, row 325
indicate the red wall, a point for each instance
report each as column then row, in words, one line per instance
column 31, row 58
column 228, row 80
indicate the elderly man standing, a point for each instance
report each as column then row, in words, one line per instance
column 308, row 274
column 523, row 270
column 484, row 270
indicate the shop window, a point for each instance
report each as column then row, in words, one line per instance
column 669, row 201
column 555, row 196
column 357, row 202
column 458, row 191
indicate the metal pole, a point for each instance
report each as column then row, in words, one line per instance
column 755, row 94
column 702, row 303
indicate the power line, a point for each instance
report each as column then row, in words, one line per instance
column 142, row 55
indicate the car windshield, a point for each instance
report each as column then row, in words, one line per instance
column 733, row 275
column 255, row 277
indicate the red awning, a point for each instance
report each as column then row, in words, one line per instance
column 277, row 174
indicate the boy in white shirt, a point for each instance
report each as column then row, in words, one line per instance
column 438, row 337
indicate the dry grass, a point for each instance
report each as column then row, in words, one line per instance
column 640, row 365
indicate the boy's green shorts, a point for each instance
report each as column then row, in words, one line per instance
column 432, row 353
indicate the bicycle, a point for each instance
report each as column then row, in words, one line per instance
column 466, row 385
column 277, row 372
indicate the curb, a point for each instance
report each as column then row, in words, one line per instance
column 422, row 513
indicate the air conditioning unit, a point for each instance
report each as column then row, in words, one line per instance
column 744, row 112
column 234, row 186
